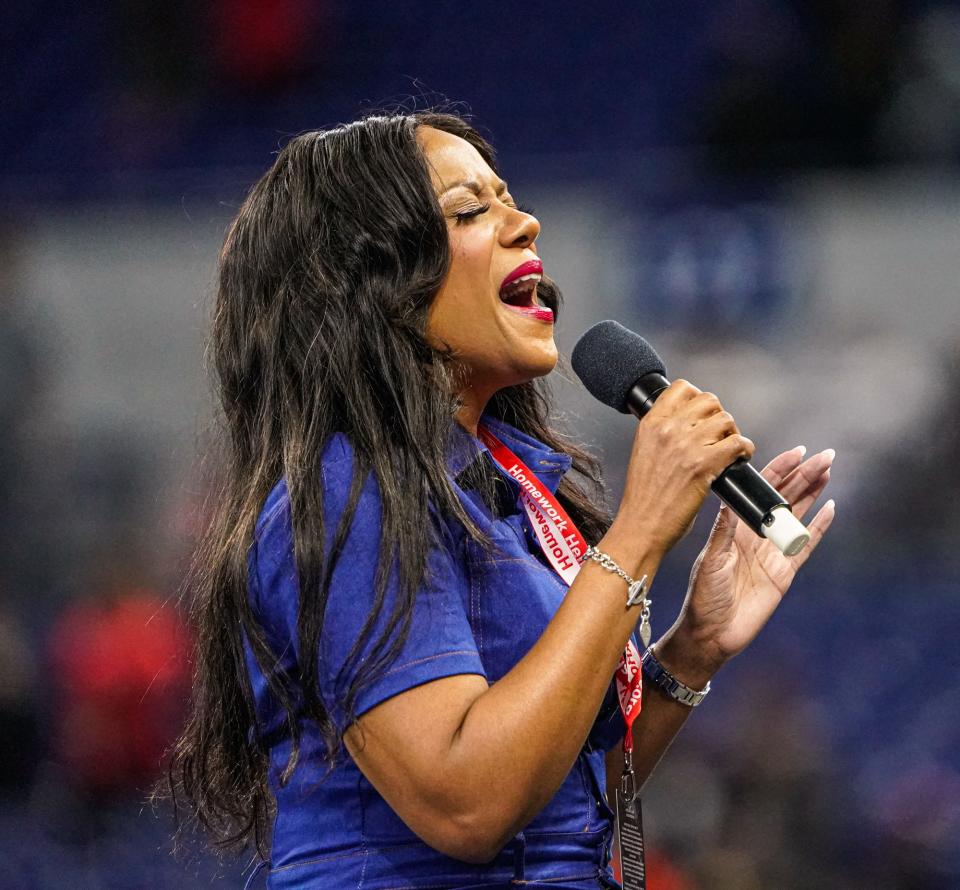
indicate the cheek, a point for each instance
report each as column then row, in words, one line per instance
column 463, row 321
column 470, row 257
column 455, row 316
column 465, row 294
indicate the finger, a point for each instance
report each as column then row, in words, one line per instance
column 702, row 406
column 806, row 476
column 674, row 396
column 730, row 449
column 724, row 529
column 715, row 428
column 817, row 528
column 802, row 505
column 783, row 464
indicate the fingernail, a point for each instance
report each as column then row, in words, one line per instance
column 802, row 449
column 830, row 453
column 832, row 504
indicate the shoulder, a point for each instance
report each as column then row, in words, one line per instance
column 271, row 558
column 273, row 531
column 336, row 467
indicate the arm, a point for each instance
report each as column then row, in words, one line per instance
column 660, row 717
column 656, row 726
column 735, row 573
column 466, row 765
column 494, row 756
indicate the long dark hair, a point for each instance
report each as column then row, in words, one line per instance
column 325, row 279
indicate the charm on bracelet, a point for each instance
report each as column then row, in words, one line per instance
column 646, row 631
column 636, row 590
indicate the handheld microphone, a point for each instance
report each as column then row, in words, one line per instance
column 622, row 370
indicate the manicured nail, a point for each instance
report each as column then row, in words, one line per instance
column 830, row 453
column 802, row 449
column 832, row 504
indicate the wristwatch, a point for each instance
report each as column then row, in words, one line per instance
column 656, row 673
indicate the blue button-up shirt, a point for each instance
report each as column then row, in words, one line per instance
column 478, row 613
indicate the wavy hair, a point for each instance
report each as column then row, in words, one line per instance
column 325, row 280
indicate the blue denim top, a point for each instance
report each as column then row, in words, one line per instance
column 478, row 613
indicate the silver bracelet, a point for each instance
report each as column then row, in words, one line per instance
column 656, row 673
column 636, row 590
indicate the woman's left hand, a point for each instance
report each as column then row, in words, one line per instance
column 740, row 578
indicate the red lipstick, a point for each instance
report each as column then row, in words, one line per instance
column 540, row 313
column 519, row 291
column 530, row 267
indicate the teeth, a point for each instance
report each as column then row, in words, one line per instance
column 522, row 283
column 521, row 291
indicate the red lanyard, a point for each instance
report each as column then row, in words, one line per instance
column 564, row 546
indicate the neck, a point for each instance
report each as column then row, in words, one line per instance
column 474, row 403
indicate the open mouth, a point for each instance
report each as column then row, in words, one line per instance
column 521, row 292
column 519, row 288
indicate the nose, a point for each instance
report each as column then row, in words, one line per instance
column 520, row 230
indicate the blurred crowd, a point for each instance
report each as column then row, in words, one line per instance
column 828, row 758
column 184, row 89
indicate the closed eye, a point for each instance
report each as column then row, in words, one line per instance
column 464, row 215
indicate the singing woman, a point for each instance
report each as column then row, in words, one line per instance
column 397, row 685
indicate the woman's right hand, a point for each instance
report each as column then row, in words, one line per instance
column 681, row 446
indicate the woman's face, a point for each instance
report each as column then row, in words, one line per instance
column 486, row 310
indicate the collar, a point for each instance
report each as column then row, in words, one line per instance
column 549, row 465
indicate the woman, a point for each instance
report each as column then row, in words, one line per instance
column 388, row 665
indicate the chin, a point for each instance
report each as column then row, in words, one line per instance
column 541, row 362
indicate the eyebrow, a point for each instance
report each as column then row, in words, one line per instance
column 475, row 187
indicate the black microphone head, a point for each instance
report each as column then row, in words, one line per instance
column 610, row 358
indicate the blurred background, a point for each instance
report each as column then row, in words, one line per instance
column 768, row 191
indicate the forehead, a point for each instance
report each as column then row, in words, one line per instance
column 452, row 159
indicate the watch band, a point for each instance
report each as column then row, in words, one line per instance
column 656, row 673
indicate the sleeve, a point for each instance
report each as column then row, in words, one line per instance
column 440, row 642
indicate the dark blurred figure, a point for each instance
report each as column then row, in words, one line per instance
column 23, row 383
column 922, row 119
column 20, row 733
column 799, row 84
column 780, row 776
column 912, row 494
column 754, row 797
column 920, row 816
column 23, row 424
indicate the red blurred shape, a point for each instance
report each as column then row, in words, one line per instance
column 662, row 872
column 262, row 42
column 120, row 671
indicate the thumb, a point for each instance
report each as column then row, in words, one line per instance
column 724, row 528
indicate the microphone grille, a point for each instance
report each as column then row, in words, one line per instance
column 610, row 358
